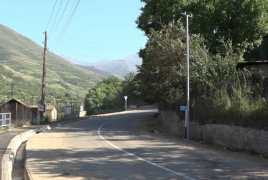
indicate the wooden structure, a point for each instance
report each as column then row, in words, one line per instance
column 20, row 112
column 260, row 65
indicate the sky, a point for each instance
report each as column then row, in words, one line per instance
column 84, row 30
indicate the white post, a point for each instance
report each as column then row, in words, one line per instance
column 187, row 114
column 125, row 102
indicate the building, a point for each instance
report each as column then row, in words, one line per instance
column 260, row 65
column 51, row 112
column 20, row 112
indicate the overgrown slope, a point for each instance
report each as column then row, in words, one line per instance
column 21, row 64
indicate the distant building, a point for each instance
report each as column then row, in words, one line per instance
column 260, row 65
column 20, row 112
column 51, row 112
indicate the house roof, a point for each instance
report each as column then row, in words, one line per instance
column 241, row 65
column 16, row 101
column 48, row 107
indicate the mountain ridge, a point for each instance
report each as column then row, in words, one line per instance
column 118, row 67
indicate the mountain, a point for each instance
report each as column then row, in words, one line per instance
column 96, row 70
column 118, row 67
column 21, row 64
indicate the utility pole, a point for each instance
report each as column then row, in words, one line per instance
column 43, row 77
column 12, row 90
column 187, row 122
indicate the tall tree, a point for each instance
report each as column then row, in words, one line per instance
column 241, row 22
column 132, row 88
column 162, row 64
column 104, row 95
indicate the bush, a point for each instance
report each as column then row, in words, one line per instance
column 218, row 92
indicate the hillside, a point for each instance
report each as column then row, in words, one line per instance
column 96, row 70
column 21, row 64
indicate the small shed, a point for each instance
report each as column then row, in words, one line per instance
column 20, row 112
column 51, row 112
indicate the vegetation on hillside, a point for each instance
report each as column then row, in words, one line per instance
column 21, row 65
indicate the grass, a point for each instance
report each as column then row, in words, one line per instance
column 21, row 63
column 22, row 124
column 3, row 129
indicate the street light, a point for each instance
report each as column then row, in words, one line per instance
column 187, row 123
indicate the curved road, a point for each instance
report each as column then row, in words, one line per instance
column 109, row 147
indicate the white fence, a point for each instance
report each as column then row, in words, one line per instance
column 5, row 119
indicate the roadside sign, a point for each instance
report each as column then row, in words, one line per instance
column 183, row 108
column 41, row 107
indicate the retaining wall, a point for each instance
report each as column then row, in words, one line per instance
column 225, row 135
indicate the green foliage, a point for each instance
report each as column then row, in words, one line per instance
column 218, row 93
column 104, row 95
column 3, row 128
column 163, row 70
column 132, row 88
column 21, row 63
column 243, row 23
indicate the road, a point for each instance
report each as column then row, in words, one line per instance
column 110, row 147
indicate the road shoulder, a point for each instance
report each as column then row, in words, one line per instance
column 152, row 127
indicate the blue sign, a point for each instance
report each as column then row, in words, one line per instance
column 183, row 108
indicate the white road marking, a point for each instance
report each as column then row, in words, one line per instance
column 137, row 157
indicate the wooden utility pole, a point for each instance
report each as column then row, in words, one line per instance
column 12, row 90
column 42, row 103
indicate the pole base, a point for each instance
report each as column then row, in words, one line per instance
column 185, row 133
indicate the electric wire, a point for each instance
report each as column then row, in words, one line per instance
column 56, row 16
column 85, row 55
column 51, row 14
column 60, row 18
column 67, row 25
column 94, row 48
column 69, row 15
column 98, row 44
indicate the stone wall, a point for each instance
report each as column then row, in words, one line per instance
column 225, row 135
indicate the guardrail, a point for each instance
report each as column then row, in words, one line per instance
column 5, row 119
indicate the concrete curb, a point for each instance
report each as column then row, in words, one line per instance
column 10, row 154
column 27, row 173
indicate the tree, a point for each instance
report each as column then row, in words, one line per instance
column 163, row 60
column 104, row 95
column 241, row 22
column 132, row 88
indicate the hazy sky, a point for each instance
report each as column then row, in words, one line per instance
column 98, row 29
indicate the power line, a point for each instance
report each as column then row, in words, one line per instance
column 93, row 48
column 83, row 54
column 86, row 55
column 99, row 44
column 51, row 13
column 67, row 24
column 60, row 17
column 56, row 16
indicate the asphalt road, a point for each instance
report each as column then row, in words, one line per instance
column 110, row 147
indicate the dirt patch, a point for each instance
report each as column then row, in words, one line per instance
column 151, row 126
